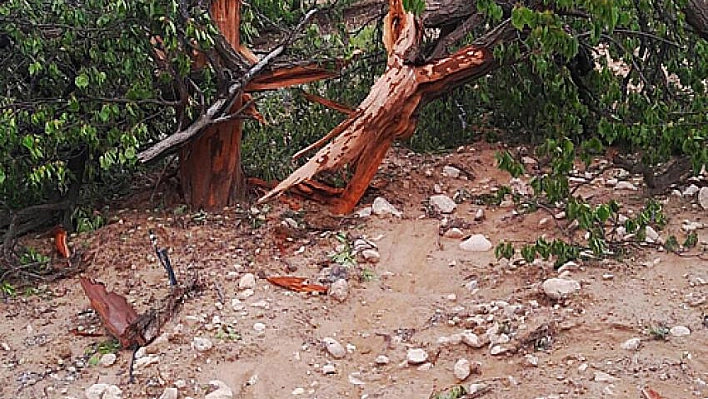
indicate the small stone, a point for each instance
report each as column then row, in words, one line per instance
column 247, row 281
column 679, row 331
column 329, row 369
column 471, row 339
column 169, row 393
column 237, row 305
column 298, row 391
column 611, row 182
column 383, row 207
column 443, row 203
column 371, row 255
column 259, row 327
column 416, row 356
column 691, row 190
column 454, row 233
column 462, row 369
column 625, row 185
column 557, row 288
column 339, row 290
column 651, row 235
column 364, row 212
column 382, row 360
column 247, row 293
column 703, row 198
column 479, row 215
column 476, row 243
column 497, row 350
column 201, row 344
column 603, row 377
column 476, row 389
column 531, row 360
column 631, row 344
column 334, row 348
column 222, row 391
column 451, row 171
column 543, row 222
column 103, row 391
column 108, row 359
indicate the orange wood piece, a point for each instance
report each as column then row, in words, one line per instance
column 61, row 243
column 114, row 310
column 296, row 284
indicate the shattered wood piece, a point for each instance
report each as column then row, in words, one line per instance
column 651, row 394
column 296, row 284
column 291, row 76
column 113, row 309
column 328, row 103
column 61, row 243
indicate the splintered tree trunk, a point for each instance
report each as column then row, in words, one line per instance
column 390, row 110
column 210, row 165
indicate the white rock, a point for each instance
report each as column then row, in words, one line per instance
column 543, row 222
column 471, row 339
column 201, row 344
column 611, row 182
column 169, row 393
column 383, row 207
column 371, row 255
column 108, row 359
column 298, row 391
column 334, row 348
column 531, row 360
column 222, row 391
column 462, row 369
column 237, row 305
column 454, row 233
column 103, row 391
column 497, row 350
column 476, row 388
column 443, row 203
column 557, row 288
column 476, row 243
column 479, row 215
column 632, row 344
column 651, row 234
column 381, row 360
column 364, row 212
column 679, row 331
column 603, row 377
column 328, row 369
column 451, row 171
column 146, row 361
column 703, row 198
column 691, row 190
column 416, row 356
column 625, row 185
column 339, row 290
column 259, row 327
column 247, row 282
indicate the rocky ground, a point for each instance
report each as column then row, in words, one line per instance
column 418, row 303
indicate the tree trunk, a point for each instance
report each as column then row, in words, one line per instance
column 210, row 165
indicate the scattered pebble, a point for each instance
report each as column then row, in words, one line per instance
column 479, row 215
column 679, row 331
column 329, row 369
column 443, row 203
column 462, row 369
column 259, row 327
column 103, row 391
column 339, row 290
column 416, row 356
column 454, row 233
column 371, row 255
column 471, row 339
column 169, row 393
column 108, row 359
column 703, row 198
column 451, row 171
column 382, row 360
column 603, row 377
column 476, row 389
column 476, row 243
column 334, row 348
column 632, row 344
column 247, row 281
column 625, row 185
column 222, row 391
column 383, row 207
column 497, row 350
column 298, row 391
column 201, row 344
column 651, row 235
column 531, row 360
column 558, row 288
column 691, row 190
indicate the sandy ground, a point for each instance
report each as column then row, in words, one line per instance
column 422, row 292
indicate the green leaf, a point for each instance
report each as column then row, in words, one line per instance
column 81, row 81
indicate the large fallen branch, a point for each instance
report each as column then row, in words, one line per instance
column 390, row 110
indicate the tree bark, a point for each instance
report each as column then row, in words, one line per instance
column 210, row 165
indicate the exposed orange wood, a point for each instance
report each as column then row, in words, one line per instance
column 328, row 103
column 290, row 76
column 390, row 110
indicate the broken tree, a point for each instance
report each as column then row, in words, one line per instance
column 390, row 110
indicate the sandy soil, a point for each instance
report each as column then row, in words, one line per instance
column 423, row 290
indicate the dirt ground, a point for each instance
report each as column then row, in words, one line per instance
column 424, row 292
